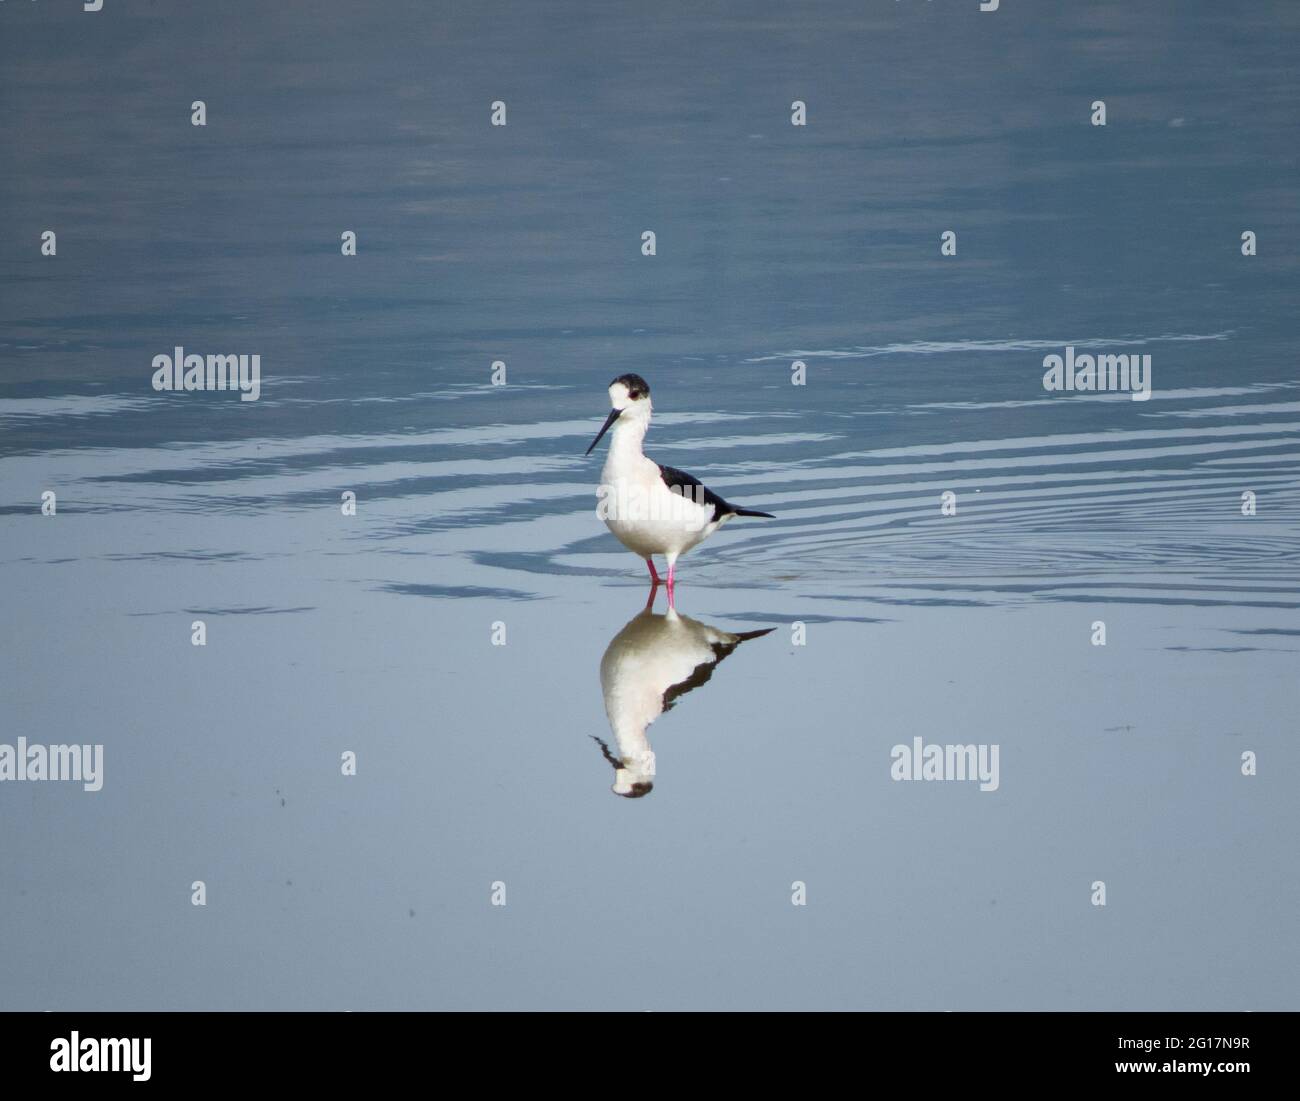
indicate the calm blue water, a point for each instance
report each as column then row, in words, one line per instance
column 373, row 633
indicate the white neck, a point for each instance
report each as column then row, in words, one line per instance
column 629, row 431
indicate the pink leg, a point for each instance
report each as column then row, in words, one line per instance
column 672, row 567
column 654, row 574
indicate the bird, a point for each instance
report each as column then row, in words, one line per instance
column 652, row 508
column 646, row 668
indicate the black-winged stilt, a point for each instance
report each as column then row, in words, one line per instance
column 647, row 667
column 652, row 509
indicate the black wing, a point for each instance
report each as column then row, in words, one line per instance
column 701, row 673
column 688, row 486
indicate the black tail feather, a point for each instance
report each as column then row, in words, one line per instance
column 754, row 512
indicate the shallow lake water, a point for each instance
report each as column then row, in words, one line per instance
column 478, row 764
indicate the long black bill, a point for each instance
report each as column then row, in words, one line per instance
column 613, row 416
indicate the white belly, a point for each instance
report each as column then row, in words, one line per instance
column 648, row 517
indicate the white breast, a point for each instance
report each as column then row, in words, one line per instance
column 646, row 516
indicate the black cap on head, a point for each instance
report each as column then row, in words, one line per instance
column 637, row 387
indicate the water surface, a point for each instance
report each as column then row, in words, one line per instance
column 374, row 633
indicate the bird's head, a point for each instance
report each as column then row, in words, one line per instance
column 629, row 399
column 632, row 779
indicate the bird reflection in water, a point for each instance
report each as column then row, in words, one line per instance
column 647, row 667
